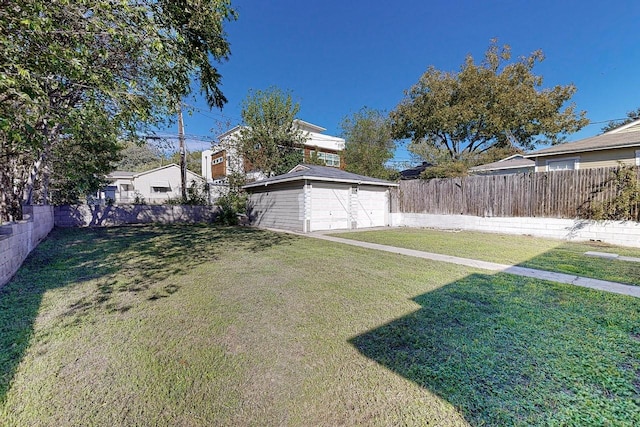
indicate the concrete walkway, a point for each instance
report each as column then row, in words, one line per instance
column 585, row 282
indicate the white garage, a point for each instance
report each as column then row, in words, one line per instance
column 314, row 198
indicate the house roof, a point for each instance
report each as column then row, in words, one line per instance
column 320, row 173
column 308, row 126
column 315, row 137
column 301, row 124
column 517, row 161
column 120, row 175
column 414, row 172
column 622, row 137
column 131, row 175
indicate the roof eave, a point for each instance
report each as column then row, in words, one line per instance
column 258, row 184
column 584, row 150
column 502, row 168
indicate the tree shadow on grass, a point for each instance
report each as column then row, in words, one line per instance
column 506, row 350
column 127, row 266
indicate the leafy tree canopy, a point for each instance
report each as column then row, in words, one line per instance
column 270, row 140
column 443, row 166
column 118, row 65
column 193, row 159
column 139, row 157
column 631, row 116
column 369, row 143
column 143, row 157
column 496, row 103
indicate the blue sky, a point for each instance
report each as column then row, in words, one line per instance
column 338, row 56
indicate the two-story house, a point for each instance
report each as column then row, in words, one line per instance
column 223, row 159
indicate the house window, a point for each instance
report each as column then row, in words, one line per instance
column 329, row 159
column 562, row 164
column 160, row 189
column 217, row 160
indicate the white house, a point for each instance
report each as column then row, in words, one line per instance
column 311, row 198
column 152, row 186
column 223, row 159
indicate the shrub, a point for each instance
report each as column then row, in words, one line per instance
column 625, row 204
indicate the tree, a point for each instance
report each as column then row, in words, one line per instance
column 119, row 66
column 193, row 159
column 139, row 157
column 446, row 167
column 631, row 116
column 270, row 140
column 368, row 143
column 493, row 104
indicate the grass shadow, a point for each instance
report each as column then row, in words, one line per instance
column 506, row 350
column 124, row 266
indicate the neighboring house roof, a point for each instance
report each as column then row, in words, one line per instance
column 316, row 138
column 320, row 173
column 229, row 132
column 309, row 127
column 622, row 137
column 133, row 175
column 414, row 172
column 517, row 161
column 120, row 175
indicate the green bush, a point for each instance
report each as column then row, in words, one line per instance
column 625, row 205
column 233, row 203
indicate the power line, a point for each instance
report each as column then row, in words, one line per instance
column 202, row 113
column 191, row 137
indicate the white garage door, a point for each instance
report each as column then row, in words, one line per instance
column 373, row 207
column 329, row 206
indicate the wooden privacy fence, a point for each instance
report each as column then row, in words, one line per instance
column 560, row 194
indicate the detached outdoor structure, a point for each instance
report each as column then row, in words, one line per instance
column 313, row 198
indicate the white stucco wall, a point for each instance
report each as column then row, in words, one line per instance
column 624, row 233
column 143, row 183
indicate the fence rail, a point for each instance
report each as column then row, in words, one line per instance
column 561, row 194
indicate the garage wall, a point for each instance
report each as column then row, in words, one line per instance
column 372, row 206
column 278, row 206
column 340, row 206
column 330, row 206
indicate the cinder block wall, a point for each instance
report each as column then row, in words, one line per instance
column 18, row 239
column 100, row 216
column 624, row 233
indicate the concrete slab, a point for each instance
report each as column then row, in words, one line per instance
column 601, row 255
column 603, row 285
column 629, row 259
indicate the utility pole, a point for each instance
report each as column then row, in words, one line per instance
column 183, row 160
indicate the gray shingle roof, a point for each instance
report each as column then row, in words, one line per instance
column 414, row 172
column 595, row 143
column 320, row 173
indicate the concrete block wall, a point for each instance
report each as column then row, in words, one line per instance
column 624, row 233
column 18, row 239
column 100, row 216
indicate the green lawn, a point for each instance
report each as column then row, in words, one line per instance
column 200, row 326
column 526, row 251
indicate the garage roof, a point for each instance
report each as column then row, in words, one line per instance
column 320, row 173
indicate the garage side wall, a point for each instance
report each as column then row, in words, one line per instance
column 279, row 206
